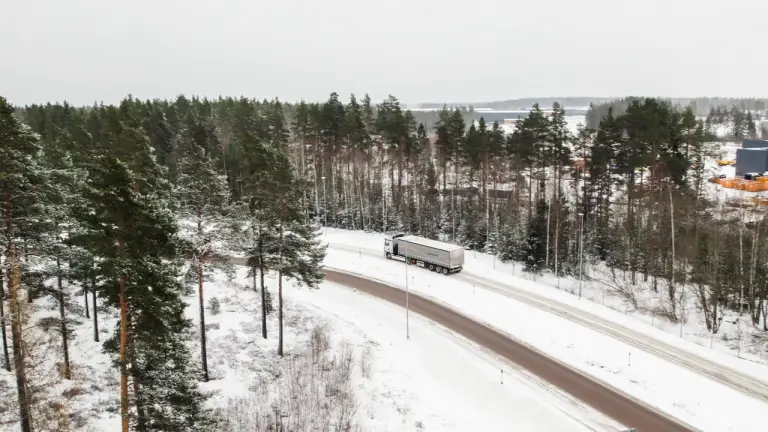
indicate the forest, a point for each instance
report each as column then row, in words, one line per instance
column 740, row 115
column 126, row 199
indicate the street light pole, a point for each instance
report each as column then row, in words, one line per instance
column 581, row 252
column 325, row 208
column 407, row 319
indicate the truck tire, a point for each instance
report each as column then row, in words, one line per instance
column 431, row 267
column 445, row 271
column 389, row 255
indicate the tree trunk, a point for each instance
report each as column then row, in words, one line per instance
column 280, row 293
column 263, row 291
column 14, row 282
column 123, row 349
column 549, row 216
column 557, row 234
column 486, row 160
column 752, row 305
column 141, row 417
column 672, row 287
column 31, row 293
column 63, row 317
column 95, row 316
column 85, row 298
column 455, row 191
column 6, row 357
column 741, row 260
column 530, row 194
column 203, row 349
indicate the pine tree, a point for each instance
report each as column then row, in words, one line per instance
column 738, row 120
column 59, row 191
column 204, row 216
column 562, row 232
column 3, row 332
column 299, row 254
column 750, row 126
column 600, row 184
column 535, row 247
column 20, row 196
column 85, row 271
column 445, row 143
column 294, row 252
column 256, row 206
column 130, row 225
column 430, row 208
column 83, row 268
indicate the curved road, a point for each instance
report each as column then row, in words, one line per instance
column 718, row 372
column 610, row 402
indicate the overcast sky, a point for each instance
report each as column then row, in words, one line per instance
column 418, row 50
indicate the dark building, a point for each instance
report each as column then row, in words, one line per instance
column 751, row 159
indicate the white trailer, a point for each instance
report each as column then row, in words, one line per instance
column 437, row 256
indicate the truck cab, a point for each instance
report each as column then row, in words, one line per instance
column 390, row 244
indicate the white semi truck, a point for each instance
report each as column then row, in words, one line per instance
column 437, row 256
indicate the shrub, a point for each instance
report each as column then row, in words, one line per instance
column 214, row 306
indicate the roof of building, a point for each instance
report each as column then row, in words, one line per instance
column 754, row 143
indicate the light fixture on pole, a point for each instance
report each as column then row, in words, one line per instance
column 407, row 319
column 325, row 208
column 581, row 251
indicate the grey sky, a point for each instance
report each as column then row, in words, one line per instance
column 418, row 50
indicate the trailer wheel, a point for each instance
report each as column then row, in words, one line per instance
column 431, row 267
column 389, row 255
column 445, row 271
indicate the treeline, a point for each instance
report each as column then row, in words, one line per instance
column 523, row 103
column 122, row 207
column 375, row 167
column 740, row 124
column 718, row 109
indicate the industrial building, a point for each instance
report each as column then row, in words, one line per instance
column 752, row 157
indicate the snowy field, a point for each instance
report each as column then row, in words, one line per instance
column 436, row 381
column 672, row 388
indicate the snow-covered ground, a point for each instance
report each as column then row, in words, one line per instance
column 672, row 388
column 439, row 380
column 436, row 381
column 572, row 122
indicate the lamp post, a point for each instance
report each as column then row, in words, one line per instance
column 407, row 319
column 581, row 251
column 325, row 208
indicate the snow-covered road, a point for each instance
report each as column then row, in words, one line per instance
column 639, row 363
column 754, row 384
column 446, row 382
